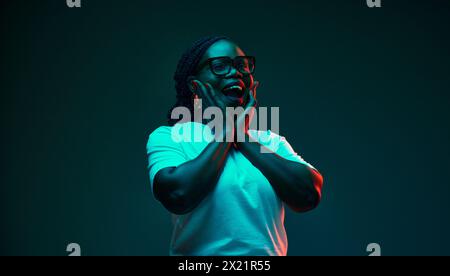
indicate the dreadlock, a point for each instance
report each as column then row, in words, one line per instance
column 185, row 68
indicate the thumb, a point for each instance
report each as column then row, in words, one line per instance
column 255, row 86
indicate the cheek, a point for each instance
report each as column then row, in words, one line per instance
column 215, row 83
column 211, row 79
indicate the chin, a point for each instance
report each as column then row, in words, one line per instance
column 236, row 102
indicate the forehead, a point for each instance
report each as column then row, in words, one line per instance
column 223, row 48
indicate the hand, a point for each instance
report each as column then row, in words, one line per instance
column 252, row 102
column 244, row 120
column 209, row 96
column 212, row 98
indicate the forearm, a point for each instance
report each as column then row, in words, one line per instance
column 298, row 185
column 182, row 188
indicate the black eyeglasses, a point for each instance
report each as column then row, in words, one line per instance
column 221, row 66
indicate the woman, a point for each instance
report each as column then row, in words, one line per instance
column 227, row 198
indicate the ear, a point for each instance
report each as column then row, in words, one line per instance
column 191, row 83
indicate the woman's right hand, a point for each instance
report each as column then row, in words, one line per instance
column 211, row 98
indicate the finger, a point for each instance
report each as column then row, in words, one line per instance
column 205, row 94
column 255, row 87
column 217, row 98
column 250, row 91
column 252, row 102
column 211, row 94
column 200, row 88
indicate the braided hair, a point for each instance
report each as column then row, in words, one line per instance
column 186, row 67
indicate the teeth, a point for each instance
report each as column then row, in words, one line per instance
column 233, row 87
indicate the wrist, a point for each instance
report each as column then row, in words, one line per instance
column 242, row 142
column 226, row 134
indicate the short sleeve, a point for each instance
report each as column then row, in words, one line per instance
column 163, row 152
column 279, row 145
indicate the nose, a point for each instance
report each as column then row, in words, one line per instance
column 234, row 73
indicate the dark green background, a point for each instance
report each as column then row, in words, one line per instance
column 363, row 96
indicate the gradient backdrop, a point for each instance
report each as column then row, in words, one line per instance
column 363, row 96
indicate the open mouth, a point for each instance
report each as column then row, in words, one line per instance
column 234, row 90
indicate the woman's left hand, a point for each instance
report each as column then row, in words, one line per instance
column 244, row 119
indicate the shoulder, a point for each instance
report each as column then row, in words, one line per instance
column 277, row 144
column 179, row 133
column 268, row 138
column 263, row 133
column 160, row 131
column 158, row 135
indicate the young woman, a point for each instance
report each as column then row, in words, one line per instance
column 226, row 197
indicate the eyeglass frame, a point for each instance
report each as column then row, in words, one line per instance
column 210, row 60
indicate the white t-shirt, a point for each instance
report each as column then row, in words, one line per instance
column 242, row 215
